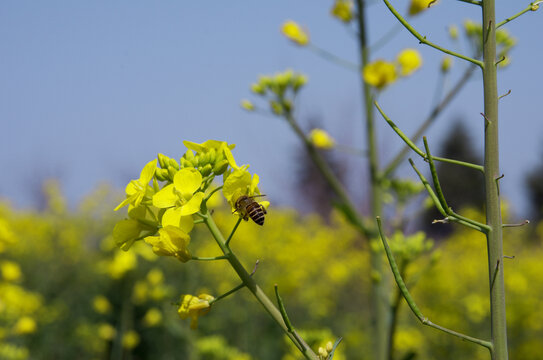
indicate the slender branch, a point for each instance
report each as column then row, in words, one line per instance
column 286, row 319
column 411, row 302
column 333, row 58
column 525, row 222
column 386, row 37
column 437, row 185
column 229, row 292
column 474, row 2
column 430, row 119
column 222, row 257
column 232, row 232
column 423, row 40
column 533, row 6
column 212, row 192
column 421, row 153
column 253, row 287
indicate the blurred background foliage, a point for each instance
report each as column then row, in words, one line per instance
column 66, row 292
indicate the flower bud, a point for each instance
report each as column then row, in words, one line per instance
column 298, row 81
column 329, row 346
column 173, row 163
column 247, row 105
column 163, row 161
column 453, row 32
column 212, row 155
column 276, row 107
column 206, row 170
column 159, row 174
column 446, row 64
column 171, row 171
column 258, row 89
column 220, row 167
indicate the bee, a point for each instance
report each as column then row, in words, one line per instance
column 249, row 208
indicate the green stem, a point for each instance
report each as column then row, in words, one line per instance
column 227, row 243
column 474, row 2
column 333, row 58
column 492, row 196
column 528, row 8
column 200, row 258
column 380, row 288
column 423, row 40
column 411, row 302
column 249, row 282
column 230, row 292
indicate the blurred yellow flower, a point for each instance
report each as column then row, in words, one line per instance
column 446, row 64
column 153, row 317
column 418, row 6
column 25, row 325
column 101, row 304
column 343, row 10
column 155, row 276
column 295, row 33
column 380, row 73
column 321, row 139
column 10, row 271
column 193, row 307
column 453, row 32
column 131, row 339
column 106, row 331
column 409, row 61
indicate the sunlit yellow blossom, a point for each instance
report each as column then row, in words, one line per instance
column 101, row 304
column 240, row 182
column 171, row 241
column 321, row 139
column 295, row 33
column 417, row 6
column 193, row 307
column 153, row 317
column 343, row 10
column 106, row 331
column 136, row 190
column 25, row 325
column 10, row 271
column 380, row 73
column 247, row 105
column 130, row 340
column 409, row 60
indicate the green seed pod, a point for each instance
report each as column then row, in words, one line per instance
column 220, row 167
column 206, row 170
column 174, row 164
column 163, row 161
column 171, row 171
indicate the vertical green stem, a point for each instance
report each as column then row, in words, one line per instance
column 259, row 294
column 380, row 291
column 492, row 172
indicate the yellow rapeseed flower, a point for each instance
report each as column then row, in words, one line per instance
column 101, row 304
column 153, row 317
column 10, row 271
column 130, row 340
column 418, row 6
column 343, row 10
column 321, row 139
column 106, row 331
column 380, row 73
column 25, row 325
column 171, row 241
column 193, row 307
column 295, row 33
column 409, row 61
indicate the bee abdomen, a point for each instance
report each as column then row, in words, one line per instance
column 256, row 213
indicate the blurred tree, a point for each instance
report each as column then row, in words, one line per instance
column 463, row 187
column 534, row 188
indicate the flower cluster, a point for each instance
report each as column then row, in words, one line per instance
column 382, row 73
column 280, row 89
column 162, row 202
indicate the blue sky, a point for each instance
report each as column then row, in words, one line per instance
column 91, row 91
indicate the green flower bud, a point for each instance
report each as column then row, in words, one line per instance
column 453, row 32
column 171, row 171
column 174, row 164
column 446, row 64
column 160, row 175
column 186, row 163
column 212, row 155
column 189, row 155
column 196, row 161
column 258, row 89
column 163, row 161
column 206, row 170
column 276, row 107
column 220, row 167
column 287, row 105
column 298, row 81
column 219, row 156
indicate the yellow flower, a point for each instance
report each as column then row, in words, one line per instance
column 106, row 331
column 418, row 6
column 153, row 317
column 409, row 60
column 131, row 339
column 192, row 306
column 10, row 271
column 25, row 325
column 321, row 139
column 380, row 73
column 343, row 10
column 171, row 241
column 101, row 304
column 295, row 33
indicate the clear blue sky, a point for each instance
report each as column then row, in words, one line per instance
column 92, row 90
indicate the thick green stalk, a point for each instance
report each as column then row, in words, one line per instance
column 381, row 287
column 250, row 284
column 492, row 173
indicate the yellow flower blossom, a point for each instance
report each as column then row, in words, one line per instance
column 171, row 241
column 10, row 271
column 409, row 61
column 418, row 6
column 380, row 73
column 106, row 331
column 321, row 139
column 343, row 10
column 25, row 325
column 152, row 317
column 193, row 307
column 295, row 33
column 130, row 340
column 101, row 304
